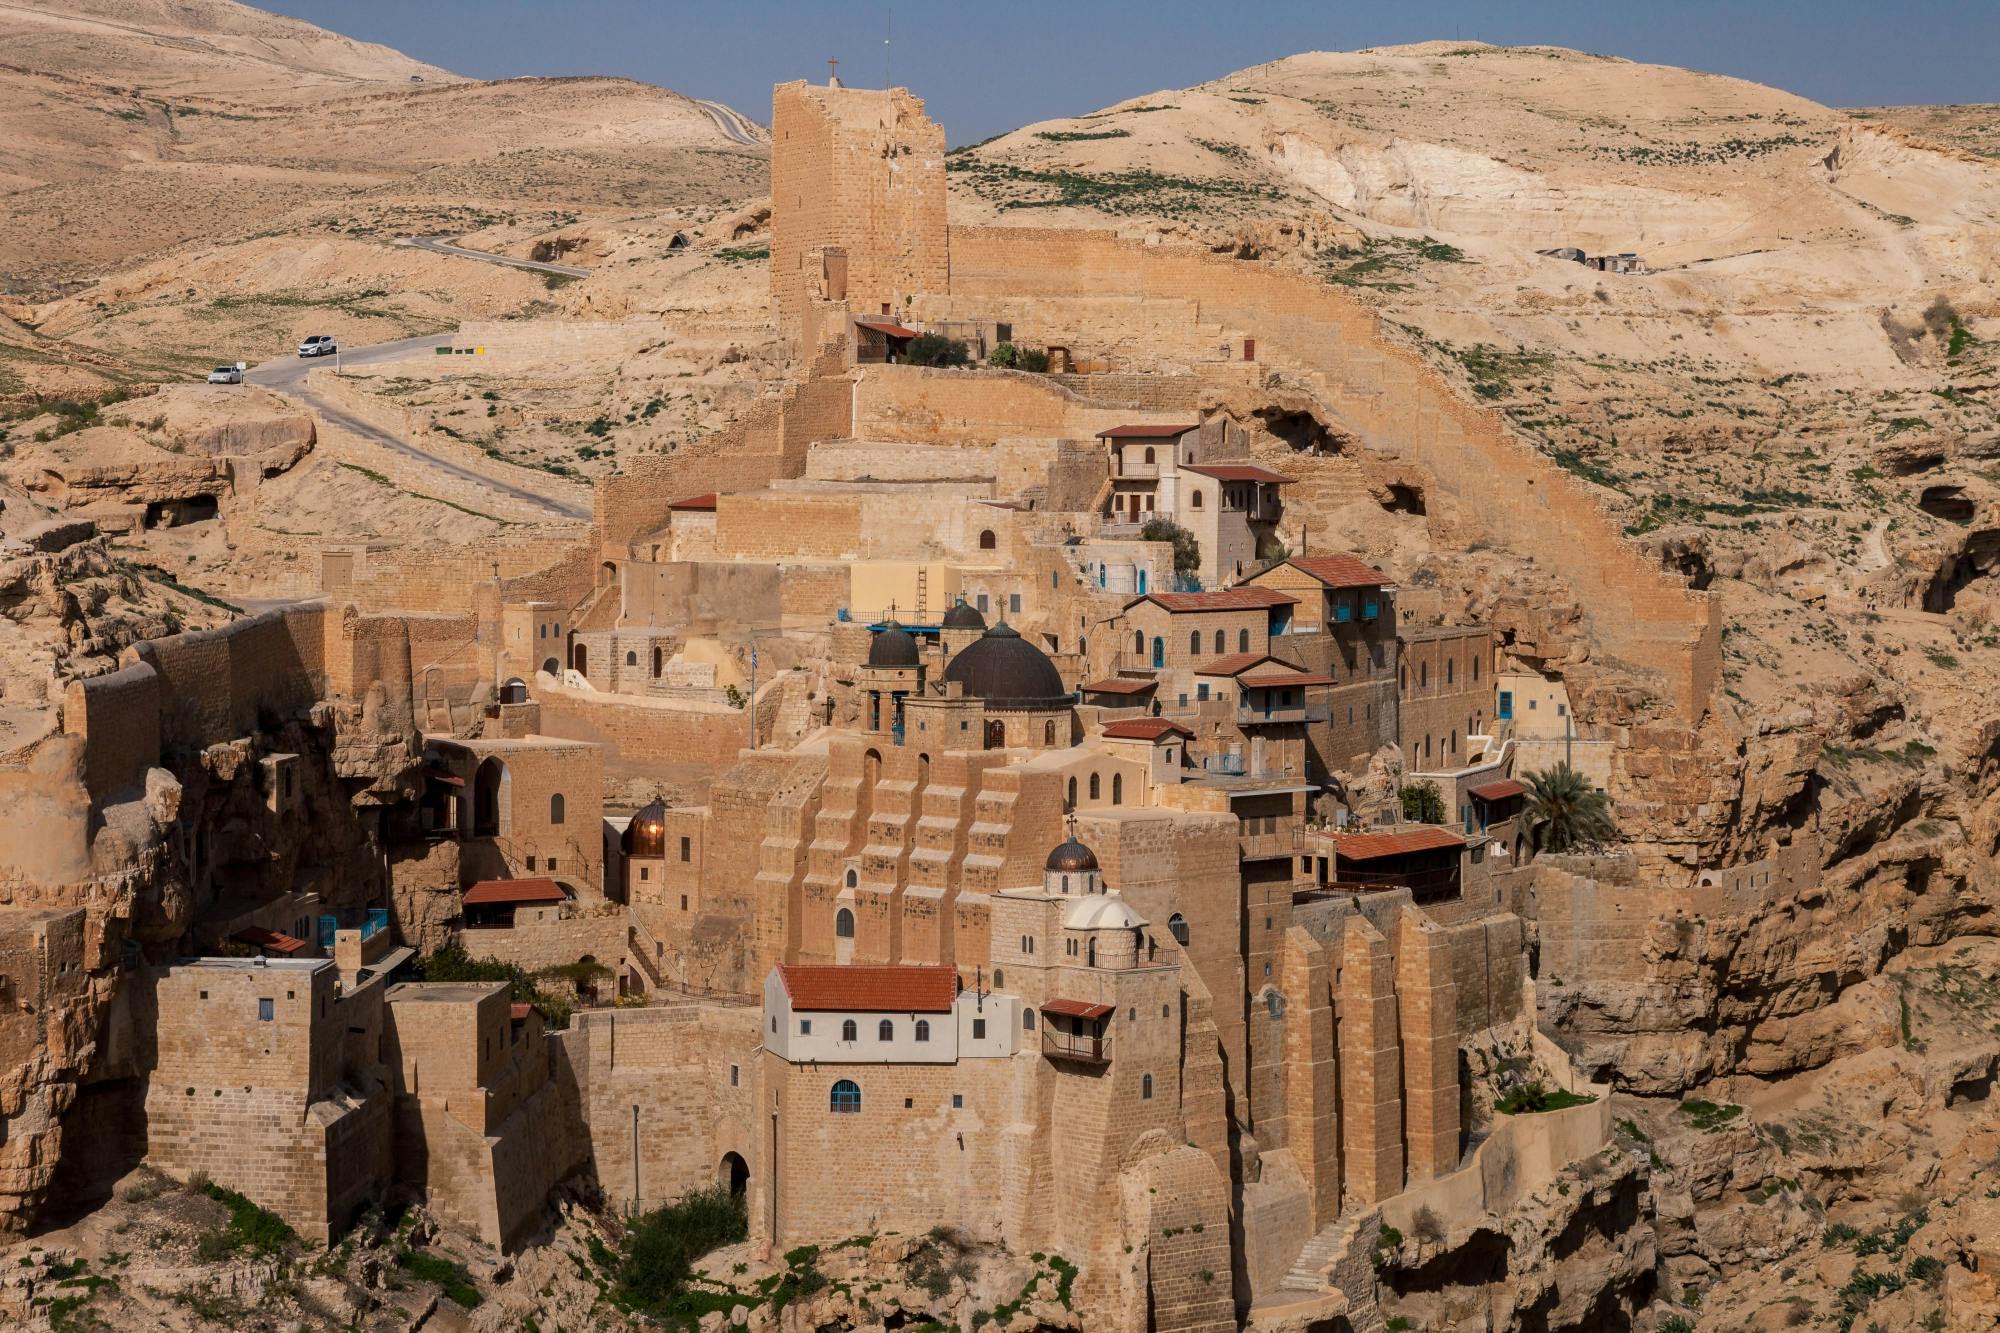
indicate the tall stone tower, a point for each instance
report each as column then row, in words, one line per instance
column 857, row 206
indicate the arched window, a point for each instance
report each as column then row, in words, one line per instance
column 1072, row 793
column 999, row 978
column 1221, row 643
column 923, row 1029
column 1159, row 652
column 843, row 924
column 1090, row 956
column 1194, row 644
column 1177, row 926
column 1094, row 791
column 1049, row 733
column 1194, row 499
column 1027, row 1020
column 1146, row 1088
column 885, row 1031
column 853, row 878
column 987, row 541
column 1149, row 453
column 1274, row 1004
column 1139, row 642
column 658, row 660
column 1117, row 789
column 845, row 1099
column 556, row 808
column 1243, row 641
column 631, row 658
column 849, row 1030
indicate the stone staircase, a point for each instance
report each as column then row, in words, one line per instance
column 1340, row 1256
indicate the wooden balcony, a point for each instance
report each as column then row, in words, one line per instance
column 1076, row 1047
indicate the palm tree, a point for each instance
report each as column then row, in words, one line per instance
column 1565, row 811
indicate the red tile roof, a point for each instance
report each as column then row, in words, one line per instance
column 1497, row 791
column 873, row 990
column 699, row 502
column 1146, row 729
column 275, row 941
column 519, row 1012
column 1238, row 472
column 1076, row 1009
column 1272, row 680
column 1339, row 571
column 1237, row 663
column 1218, row 599
column 515, row 891
column 882, row 326
column 1146, row 432
column 1374, row 846
column 1121, row 685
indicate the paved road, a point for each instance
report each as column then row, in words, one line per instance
column 734, row 126
column 443, row 247
column 287, row 375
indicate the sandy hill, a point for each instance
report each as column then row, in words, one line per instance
column 133, row 127
column 1802, row 387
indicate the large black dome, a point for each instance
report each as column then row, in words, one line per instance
column 1007, row 671
column 646, row 835
column 893, row 646
column 964, row 615
column 1071, row 857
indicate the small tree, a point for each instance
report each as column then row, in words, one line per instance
column 1003, row 356
column 1034, row 359
column 1565, row 811
column 932, row 349
column 1187, row 551
column 1423, row 803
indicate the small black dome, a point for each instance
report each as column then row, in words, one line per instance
column 1072, row 857
column 964, row 615
column 646, row 835
column 894, row 646
column 1007, row 671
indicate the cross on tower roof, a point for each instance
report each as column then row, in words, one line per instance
column 832, row 73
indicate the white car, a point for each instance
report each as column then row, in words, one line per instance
column 225, row 375
column 320, row 344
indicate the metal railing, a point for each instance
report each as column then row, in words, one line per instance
column 1082, row 1048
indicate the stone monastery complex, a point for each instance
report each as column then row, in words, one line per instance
column 1007, row 875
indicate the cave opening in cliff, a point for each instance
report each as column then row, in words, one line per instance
column 1949, row 503
column 1303, row 431
column 1979, row 557
column 174, row 513
column 1404, row 499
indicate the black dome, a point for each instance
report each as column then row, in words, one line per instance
column 1072, row 857
column 1007, row 671
column 964, row 615
column 646, row 835
column 893, row 646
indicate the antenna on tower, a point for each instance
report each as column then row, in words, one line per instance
column 888, row 33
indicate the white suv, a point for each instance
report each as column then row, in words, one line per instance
column 225, row 375
column 320, row 344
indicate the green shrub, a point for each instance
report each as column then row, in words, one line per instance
column 661, row 1246
column 1422, row 802
column 934, row 349
column 453, row 963
column 451, row 1278
column 250, row 1227
column 1003, row 356
column 1187, row 550
column 1532, row 1097
column 1034, row 360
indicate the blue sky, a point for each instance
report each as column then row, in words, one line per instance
column 988, row 67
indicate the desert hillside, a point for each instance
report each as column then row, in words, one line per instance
column 132, row 128
column 1795, row 393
